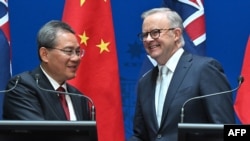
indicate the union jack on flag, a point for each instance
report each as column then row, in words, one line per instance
column 5, row 50
column 192, row 14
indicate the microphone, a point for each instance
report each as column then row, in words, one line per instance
column 17, row 79
column 240, row 80
column 37, row 76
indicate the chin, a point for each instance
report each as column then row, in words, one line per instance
column 71, row 76
column 153, row 55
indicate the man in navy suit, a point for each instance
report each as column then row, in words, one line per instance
column 60, row 55
column 188, row 75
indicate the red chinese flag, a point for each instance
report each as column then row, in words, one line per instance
column 98, row 74
column 242, row 103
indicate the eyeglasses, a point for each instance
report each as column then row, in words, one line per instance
column 154, row 34
column 72, row 52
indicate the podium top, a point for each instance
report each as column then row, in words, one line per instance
column 44, row 130
column 200, row 131
column 47, row 122
column 201, row 126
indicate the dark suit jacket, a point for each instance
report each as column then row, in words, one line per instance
column 193, row 76
column 28, row 102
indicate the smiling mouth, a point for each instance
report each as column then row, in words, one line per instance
column 73, row 68
column 153, row 46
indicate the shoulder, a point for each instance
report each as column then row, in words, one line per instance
column 26, row 77
column 73, row 89
column 149, row 76
column 198, row 59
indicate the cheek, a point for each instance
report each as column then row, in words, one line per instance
column 167, row 42
column 57, row 62
column 145, row 45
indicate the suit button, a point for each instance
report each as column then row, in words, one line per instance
column 159, row 136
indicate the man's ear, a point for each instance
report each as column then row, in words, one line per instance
column 43, row 52
column 177, row 32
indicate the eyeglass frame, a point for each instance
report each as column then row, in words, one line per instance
column 143, row 36
column 70, row 52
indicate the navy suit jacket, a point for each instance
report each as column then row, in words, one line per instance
column 193, row 76
column 28, row 102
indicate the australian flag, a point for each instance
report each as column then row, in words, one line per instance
column 5, row 50
column 192, row 14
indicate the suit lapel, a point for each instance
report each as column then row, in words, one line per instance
column 75, row 100
column 51, row 97
column 178, row 76
column 152, row 96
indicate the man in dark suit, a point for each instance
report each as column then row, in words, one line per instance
column 60, row 55
column 158, row 110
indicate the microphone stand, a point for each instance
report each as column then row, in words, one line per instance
column 17, row 79
column 67, row 93
column 241, row 79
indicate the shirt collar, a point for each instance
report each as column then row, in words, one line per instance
column 173, row 60
column 53, row 81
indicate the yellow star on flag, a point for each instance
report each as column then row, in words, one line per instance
column 103, row 46
column 83, row 38
column 82, row 2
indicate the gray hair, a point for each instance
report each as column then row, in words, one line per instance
column 172, row 16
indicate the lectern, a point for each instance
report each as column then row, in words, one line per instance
column 21, row 130
column 200, row 132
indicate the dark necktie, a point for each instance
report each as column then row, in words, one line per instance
column 64, row 102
